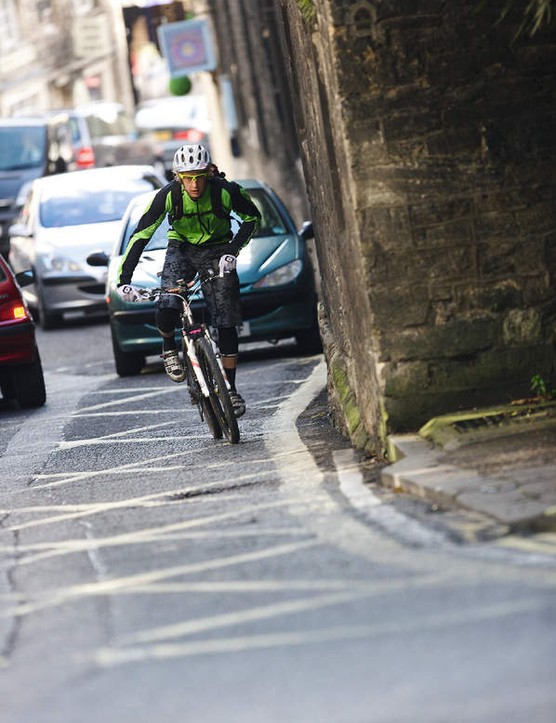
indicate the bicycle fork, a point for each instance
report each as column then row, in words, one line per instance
column 189, row 336
column 192, row 355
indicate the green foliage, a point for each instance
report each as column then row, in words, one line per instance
column 307, row 9
column 541, row 387
column 537, row 14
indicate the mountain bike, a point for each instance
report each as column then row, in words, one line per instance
column 204, row 374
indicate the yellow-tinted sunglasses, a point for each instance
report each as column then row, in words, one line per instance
column 192, row 176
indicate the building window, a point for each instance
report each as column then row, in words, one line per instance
column 9, row 25
column 82, row 7
column 44, row 10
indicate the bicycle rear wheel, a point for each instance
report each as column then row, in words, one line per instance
column 219, row 397
column 203, row 404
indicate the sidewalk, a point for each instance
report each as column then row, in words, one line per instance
column 500, row 462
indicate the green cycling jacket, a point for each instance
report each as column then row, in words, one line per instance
column 200, row 224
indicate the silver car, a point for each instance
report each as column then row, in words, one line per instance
column 64, row 218
column 174, row 122
column 103, row 134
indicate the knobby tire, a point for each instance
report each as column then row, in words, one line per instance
column 219, row 396
column 205, row 410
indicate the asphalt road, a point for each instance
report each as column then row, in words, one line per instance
column 148, row 573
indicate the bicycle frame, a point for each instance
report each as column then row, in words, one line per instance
column 191, row 329
column 209, row 388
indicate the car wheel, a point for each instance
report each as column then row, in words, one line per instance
column 128, row 364
column 6, row 386
column 308, row 340
column 47, row 319
column 28, row 387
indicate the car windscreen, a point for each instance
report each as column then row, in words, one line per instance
column 110, row 122
column 22, row 147
column 80, row 206
column 272, row 223
column 159, row 239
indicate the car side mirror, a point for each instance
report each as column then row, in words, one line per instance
column 306, row 231
column 24, row 278
column 98, row 258
column 20, row 229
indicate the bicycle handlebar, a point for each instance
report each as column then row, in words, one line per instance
column 184, row 289
column 154, row 293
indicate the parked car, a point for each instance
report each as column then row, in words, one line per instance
column 29, row 148
column 104, row 134
column 64, row 218
column 277, row 284
column 21, row 373
column 174, row 122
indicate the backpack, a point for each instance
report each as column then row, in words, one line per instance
column 217, row 183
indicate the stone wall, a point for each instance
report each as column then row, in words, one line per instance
column 427, row 136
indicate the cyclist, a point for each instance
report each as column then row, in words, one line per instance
column 198, row 204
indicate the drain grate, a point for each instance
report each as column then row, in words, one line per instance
column 495, row 420
column 470, row 425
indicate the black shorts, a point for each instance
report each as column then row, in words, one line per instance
column 221, row 294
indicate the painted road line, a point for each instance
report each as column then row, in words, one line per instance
column 363, row 499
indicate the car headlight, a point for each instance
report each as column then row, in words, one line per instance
column 61, row 264
column 284, row 275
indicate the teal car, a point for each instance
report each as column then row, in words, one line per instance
column 277, row 284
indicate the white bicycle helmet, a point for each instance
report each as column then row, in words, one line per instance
column 191, row 158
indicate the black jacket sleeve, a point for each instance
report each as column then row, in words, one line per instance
column 248, row 212
column 147, row 225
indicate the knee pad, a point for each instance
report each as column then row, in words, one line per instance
column 166, row 319
column 228, row 340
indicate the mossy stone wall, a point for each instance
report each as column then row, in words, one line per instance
column 427, row 136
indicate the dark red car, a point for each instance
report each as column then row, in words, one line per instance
column 21, row 375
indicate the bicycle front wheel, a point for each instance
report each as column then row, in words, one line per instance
column 218, row 391
column 203, row 404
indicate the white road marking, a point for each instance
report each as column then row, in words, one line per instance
column 245, row 615
column 107, row 657
column 128, row 400
column 303, row 497
column 365, row 501
column 126, row 584
column 29, row 447
column 144, row 501
column 351, row 480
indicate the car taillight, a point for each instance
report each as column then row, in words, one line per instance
column 13, row 311
column 191, row 134
column 85, row 158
